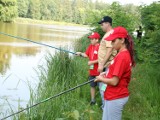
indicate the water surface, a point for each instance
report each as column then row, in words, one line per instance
column 19, row 59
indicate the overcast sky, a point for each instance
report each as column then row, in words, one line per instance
column 136, row 2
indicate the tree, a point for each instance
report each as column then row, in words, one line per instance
column 34, row 9
column 119, row 14
column 23, row 8
column 8, row 10
column 45, row 12
column 150, row 43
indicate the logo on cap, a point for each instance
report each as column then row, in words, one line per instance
column 111, row 31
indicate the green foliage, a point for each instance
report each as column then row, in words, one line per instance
column 150, row 17
column 120, row 14
column 82, row 44
column 48, row 9
column 23, row 6
column 8, row 10
column 144, row 98
column 63, row 72
column 79, row 11
column 150, row 42
column 34, row 9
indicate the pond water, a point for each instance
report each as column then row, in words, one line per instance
column 19, row 59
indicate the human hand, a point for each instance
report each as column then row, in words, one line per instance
column 102, row 73
column 90, row 63
column 100, row 68
column 99, row 78
column 78, row 53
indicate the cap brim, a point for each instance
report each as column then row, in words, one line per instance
column 91, row 37
column 111, row 38
column 100, row 22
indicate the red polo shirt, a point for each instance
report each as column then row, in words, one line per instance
column 120, row 67
column 92, row 53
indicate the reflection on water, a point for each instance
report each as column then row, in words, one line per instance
column 19, row 59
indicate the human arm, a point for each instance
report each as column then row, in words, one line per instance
column 106, row 58
column 92, row 62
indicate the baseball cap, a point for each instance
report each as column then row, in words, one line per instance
column 118, row 32
column 94, row 35
column 105, row 19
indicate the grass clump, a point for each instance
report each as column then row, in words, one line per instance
column 64, row 71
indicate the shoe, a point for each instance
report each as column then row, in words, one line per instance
column 92, row 102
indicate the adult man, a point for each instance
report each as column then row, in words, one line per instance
column 105, row 52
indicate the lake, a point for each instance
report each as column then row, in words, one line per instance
column 19, row 59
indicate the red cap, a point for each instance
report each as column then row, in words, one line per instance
column 94, row 35
column 118, row 32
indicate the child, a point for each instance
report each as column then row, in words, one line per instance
column 92, row 54
column 119, row 74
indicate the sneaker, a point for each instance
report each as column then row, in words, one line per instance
column 92, row 102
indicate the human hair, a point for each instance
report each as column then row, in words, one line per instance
column 130, row 46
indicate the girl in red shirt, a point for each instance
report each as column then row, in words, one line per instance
column 119, row 74
column 92, row 53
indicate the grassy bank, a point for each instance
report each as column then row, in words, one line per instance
column 64, row 72
column 144, row 99
column 33, row 21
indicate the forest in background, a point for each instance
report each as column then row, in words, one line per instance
column 74, row 11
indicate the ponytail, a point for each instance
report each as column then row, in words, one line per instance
column 130, row 47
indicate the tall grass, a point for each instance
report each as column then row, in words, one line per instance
column 144, row 99
column 64, row 71
column 61, row 73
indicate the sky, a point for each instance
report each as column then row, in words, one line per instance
column 135, row 2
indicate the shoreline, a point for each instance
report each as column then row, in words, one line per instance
column 48, row 22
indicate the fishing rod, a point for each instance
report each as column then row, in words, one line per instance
column 57, row 95
column 29, row 40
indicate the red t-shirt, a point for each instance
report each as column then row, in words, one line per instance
column 92, row 53
column 120, row 67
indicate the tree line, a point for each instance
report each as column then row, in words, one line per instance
column 148, row 49
column 74, row 11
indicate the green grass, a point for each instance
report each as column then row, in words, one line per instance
column 33, row 21
column 63, row 72
column 144, row 99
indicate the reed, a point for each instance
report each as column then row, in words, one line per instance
column 64, row 71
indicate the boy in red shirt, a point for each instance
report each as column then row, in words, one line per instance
column 92, row 54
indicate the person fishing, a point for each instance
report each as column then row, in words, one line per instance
column 92, row 53
column 118, row 76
